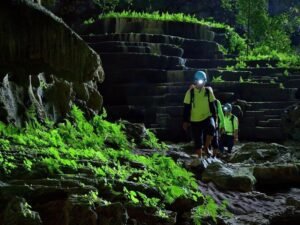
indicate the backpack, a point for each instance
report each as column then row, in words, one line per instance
column 232, row 121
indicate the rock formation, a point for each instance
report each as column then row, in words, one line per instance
column 44, row 64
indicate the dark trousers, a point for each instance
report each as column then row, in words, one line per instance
column 201, row 129
column 226, row 141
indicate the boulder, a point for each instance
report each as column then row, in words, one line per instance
column 43, row 63
column 259, row 153
column 229, row 177
column 278, row 175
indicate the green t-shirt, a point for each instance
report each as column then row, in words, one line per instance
column 200, row 109
column 220, row 114
column 228, row 124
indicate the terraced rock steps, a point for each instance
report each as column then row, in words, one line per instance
column 147, row 76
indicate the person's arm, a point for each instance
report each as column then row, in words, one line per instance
column 212, row 103
column 236, row 129
column 187, row 109
column 221, row 116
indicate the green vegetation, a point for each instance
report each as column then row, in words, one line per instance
column 162, row 16
column 268, row 37
column 218, row 79
column 101, row 148
column 209, row 210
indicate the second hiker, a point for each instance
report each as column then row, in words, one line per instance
column 230, row 132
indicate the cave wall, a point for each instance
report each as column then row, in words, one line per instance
column 43, row 63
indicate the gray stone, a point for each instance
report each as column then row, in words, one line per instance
column 258, row 152
column 229, row 178
column 134, row 131
column 277, row 174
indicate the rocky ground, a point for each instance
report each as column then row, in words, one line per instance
column 260, row 182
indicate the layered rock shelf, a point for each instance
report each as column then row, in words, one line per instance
column 148, row 72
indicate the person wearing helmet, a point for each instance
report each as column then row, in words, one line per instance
column 199, row 113
column 230, row 132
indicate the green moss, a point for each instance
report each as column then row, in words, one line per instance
column 102, row 148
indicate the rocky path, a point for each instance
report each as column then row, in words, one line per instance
column 259, row 181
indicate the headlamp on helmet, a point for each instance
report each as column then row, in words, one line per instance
column 227, row 107
column 200, row 78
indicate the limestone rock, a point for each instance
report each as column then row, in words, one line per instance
column 43, row 63
column 257, row 208
column 259, row 152
column 18, row 211
column 134, row 131
column 280, row 175
column 229, row 178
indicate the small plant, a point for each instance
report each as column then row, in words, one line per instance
column 92, row 197
column 281, row 86
column 27, row 164
column 151, row 141
column 286, row 73
column 131, row 195
column 241, row 65
column 210, row 209
column 229, row 68
column 218, row 79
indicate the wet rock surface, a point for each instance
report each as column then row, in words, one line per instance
column 259, row 181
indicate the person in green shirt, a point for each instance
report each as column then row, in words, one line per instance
column 200, row 113
column 230, row 132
